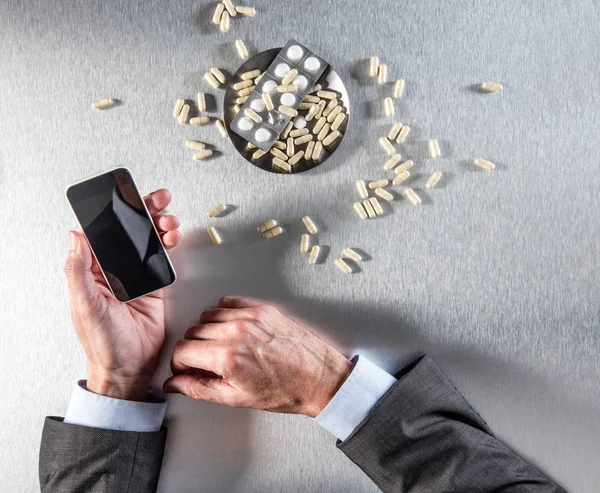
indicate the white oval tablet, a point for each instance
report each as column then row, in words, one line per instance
column 301, row 82
column 288, row 99
column 300, row 122
column 262, row 135
column 245, row 124
column 257, row 105
column 294, row 52
column 269, row 86
column 281, row 70
column 311, row 64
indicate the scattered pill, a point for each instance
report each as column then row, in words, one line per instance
column 382, row 74
column 403, row 134
column 103, row 103
column 178, row 105
column 327, row 94
column 266, row 97
column 303, row 140
column 259, row 78
column 406, row 165
column 319, row 125
column 269, row 86
column 310, row 225
column 250, row 145
column 362, row 189
column 412, row 196
column 386, row 145
column 376, row 206
column 339, row 120
column 394, row 131
column 309, row 150
column 241, row 99
column 286, row 110
column 250, row 113
column 225, row 22
column 373, row 66
column 200, row 120
column 246, row 91
column 183, row 116
column 221, row 127
column 388, row 107
column 279, row 145
column 400, row 178
column 287, row 130
column 290, row 148
column 299, row 132
column 218, row 13
column 214, row 235
column 321, row 107
column 230, row 8
column 317, row 151
column 324, row 131
column 295, row 159
column 482, row 163
column 369, row 208
column 300, row 123
column 215, row 211
column 271, row 233
column 279, row 153
column 312, row 112
column 237, row 108
column 434, row 148
column 334, row 113
column 201, row 102
column 212, row 80
column 304, row 243
column 343, row 266
column 270, row 224
column 490, row 86
column 329, row 108
column 331, row 138
column 393, row 161
column 312, row 99
column 316, row 88
column 203, row 154
column 398, row 88
column 314, row 254
column 289, row 78
column 360, row 210
column 251, row 74
column 351, row 254
column 433, row 179
column 247, row 11
column 288, row 99
column 281, row 164
column 194, row 144
column 303, row 106
column 384, row 194
column 241, row 49
column 238, row 86
column 378, row 184
column 258, row 154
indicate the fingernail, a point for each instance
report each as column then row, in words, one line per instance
column 73, row 241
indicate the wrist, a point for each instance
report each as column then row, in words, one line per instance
column 128, row 388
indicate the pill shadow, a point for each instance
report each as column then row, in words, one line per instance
column 324, row 254
column 202, row 18
column 424, row 196
column 229, row 210
column 413, row 178
column 365, row 256
column 360, row 70
column 476, row 88
column 447, row 177
column 116, row 104
column 211, row 102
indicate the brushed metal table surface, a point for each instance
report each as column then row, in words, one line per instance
column 496, row 274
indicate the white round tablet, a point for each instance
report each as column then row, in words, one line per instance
column 300, row 122
column 262, row 135
column 257, row 105
column 281, row 70
column 294, row 52
column 269, row 86
column 301, row 82
column 245, row 124
column 288, row 99
column 311, row 64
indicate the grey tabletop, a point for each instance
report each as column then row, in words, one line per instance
column 495, row 274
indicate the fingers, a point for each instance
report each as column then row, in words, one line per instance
column 83, row 291
column 204, row 355
column 171, row 239
column 220, row 315
column 214, row 331
column 239, row 302
column 166, row 223
column 201, row 388
column 157, row 201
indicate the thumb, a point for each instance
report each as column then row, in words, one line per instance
column 82, row 286
column 201, row 388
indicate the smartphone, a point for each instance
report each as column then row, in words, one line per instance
column 121, row 233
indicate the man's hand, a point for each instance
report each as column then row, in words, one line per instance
column 246, row 353
column 122, row 341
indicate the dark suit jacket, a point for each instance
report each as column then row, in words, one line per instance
column 421, row 437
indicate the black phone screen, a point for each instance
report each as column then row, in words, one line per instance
column 112, row 215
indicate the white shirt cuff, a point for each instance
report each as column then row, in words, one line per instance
column 360, row 392
column 99, row 411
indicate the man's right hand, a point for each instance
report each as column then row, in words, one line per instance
column 246, row 353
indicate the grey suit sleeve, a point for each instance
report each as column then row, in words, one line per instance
column 78, row 459
column 423, row 436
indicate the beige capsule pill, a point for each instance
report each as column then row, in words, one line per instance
column 369, row 208
column 400, row 178
column 394, row 131
column 317, row 151
column 253, row 115
column 287, row 130
column 311, row 99
column 212, row 80
column 287, row 88
column 201, row 102
column 406, row 165
column 183, row 116
column 241, row 100
column 412, row 196
column 218, row 13
column 324, row 131
column 433, row 179
column 386, row 145
column 393, row 161
column 378, row 184
column 258, row 154
column 251, row 74
column 241, row 49
column 343, row 266
column 388, row 107
column 310, row 225
column 298, row 132
column 331, row 138
column 384, row 194
column 309, row 150
column 329, row 108
column 203, row 154
column 289, row 77
column 489, row 86
column 200, row 120
column 339, row 120
column 270, row 224
column 314, row 254
column 373, row 66
column 290, row 147
column 266, row 97
column 178, row 106
column 271, row 233
column 434, row 148
column 220, row 76
column 320, row 108
column 305, row 106
column 360, row 210
column 303, row 140
column 194, row 144
column 362, row 189
column 482, row 163
column 279, row 153
column 216, row 210
column 382, row 74
column 259, row 78
column 221, row 127
column 237, row 108
column 398, row 88
column 351, row 254
column 286, row 110
column 312, row 112
column 316, row 88
column 281, row 164
column 246, row 91
column 214, row 235
column 304, row 243
column 246, row 11
column 225, row 22
column 230, row 8
column 279, row 145
column 319, row 125
column 376, row 206
column 403, row 134
column 334, row 114
column 295, row 159
column 250, row 145
column 327, row 94
column 238, row 86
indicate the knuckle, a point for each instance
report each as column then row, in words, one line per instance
column 238, row 327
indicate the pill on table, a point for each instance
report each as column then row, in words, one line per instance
column 194, row 144
column 324, row 131
column 287, row 130
column 369, row 208
column 279, row 153
column 384, row 194
column 286, row 110
column 216, row 210
column 412, row 196
column 362, row 189
column 178, row 105
column 331, row 138
column 247, row 11
column 394, row 131
column 290, row 147
column 317, row 151
column 238, row 86
column 373, row 66
column 482, row 163
column 376, row 206
column 434, row 148
column 489, row 86
column 279, row 145
column 386, row 145
column 316, row 88
column 400, row 178
column 241, row 99
column 351, row 254
column 212, row 80
column 303, row 140
column 218, row 13
column 258, row 154
column 360, row 210
column 271, row 233
column 321, row 107
column 203, row 154
column 343, row 266
column 393, row 161
column 329, row 108
column 241, row 49
column 221, row 128
column 103, row 103
column 403, row 134
column 327, row 94
column 378, row 184
column 406, row 165
column 225, row 22
column 433, row 179
column 310, row 225
column 230, row 8
column 253, row 115
column 201, row 102
column 382, row 74
column 183, row 116
column 398, row 88
column 314, row 254
column 251, row 74
column 281, row 164
column 270, row 224
column 214, row 235
column 266, row 97
column 309, row 150
column 319, row 125
column 295, row 159
column 200, row 120
column 304, row 243
column 299, row 132
column 388, row 107
column 334, row 113
column 289, row 77
column 246, row 91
